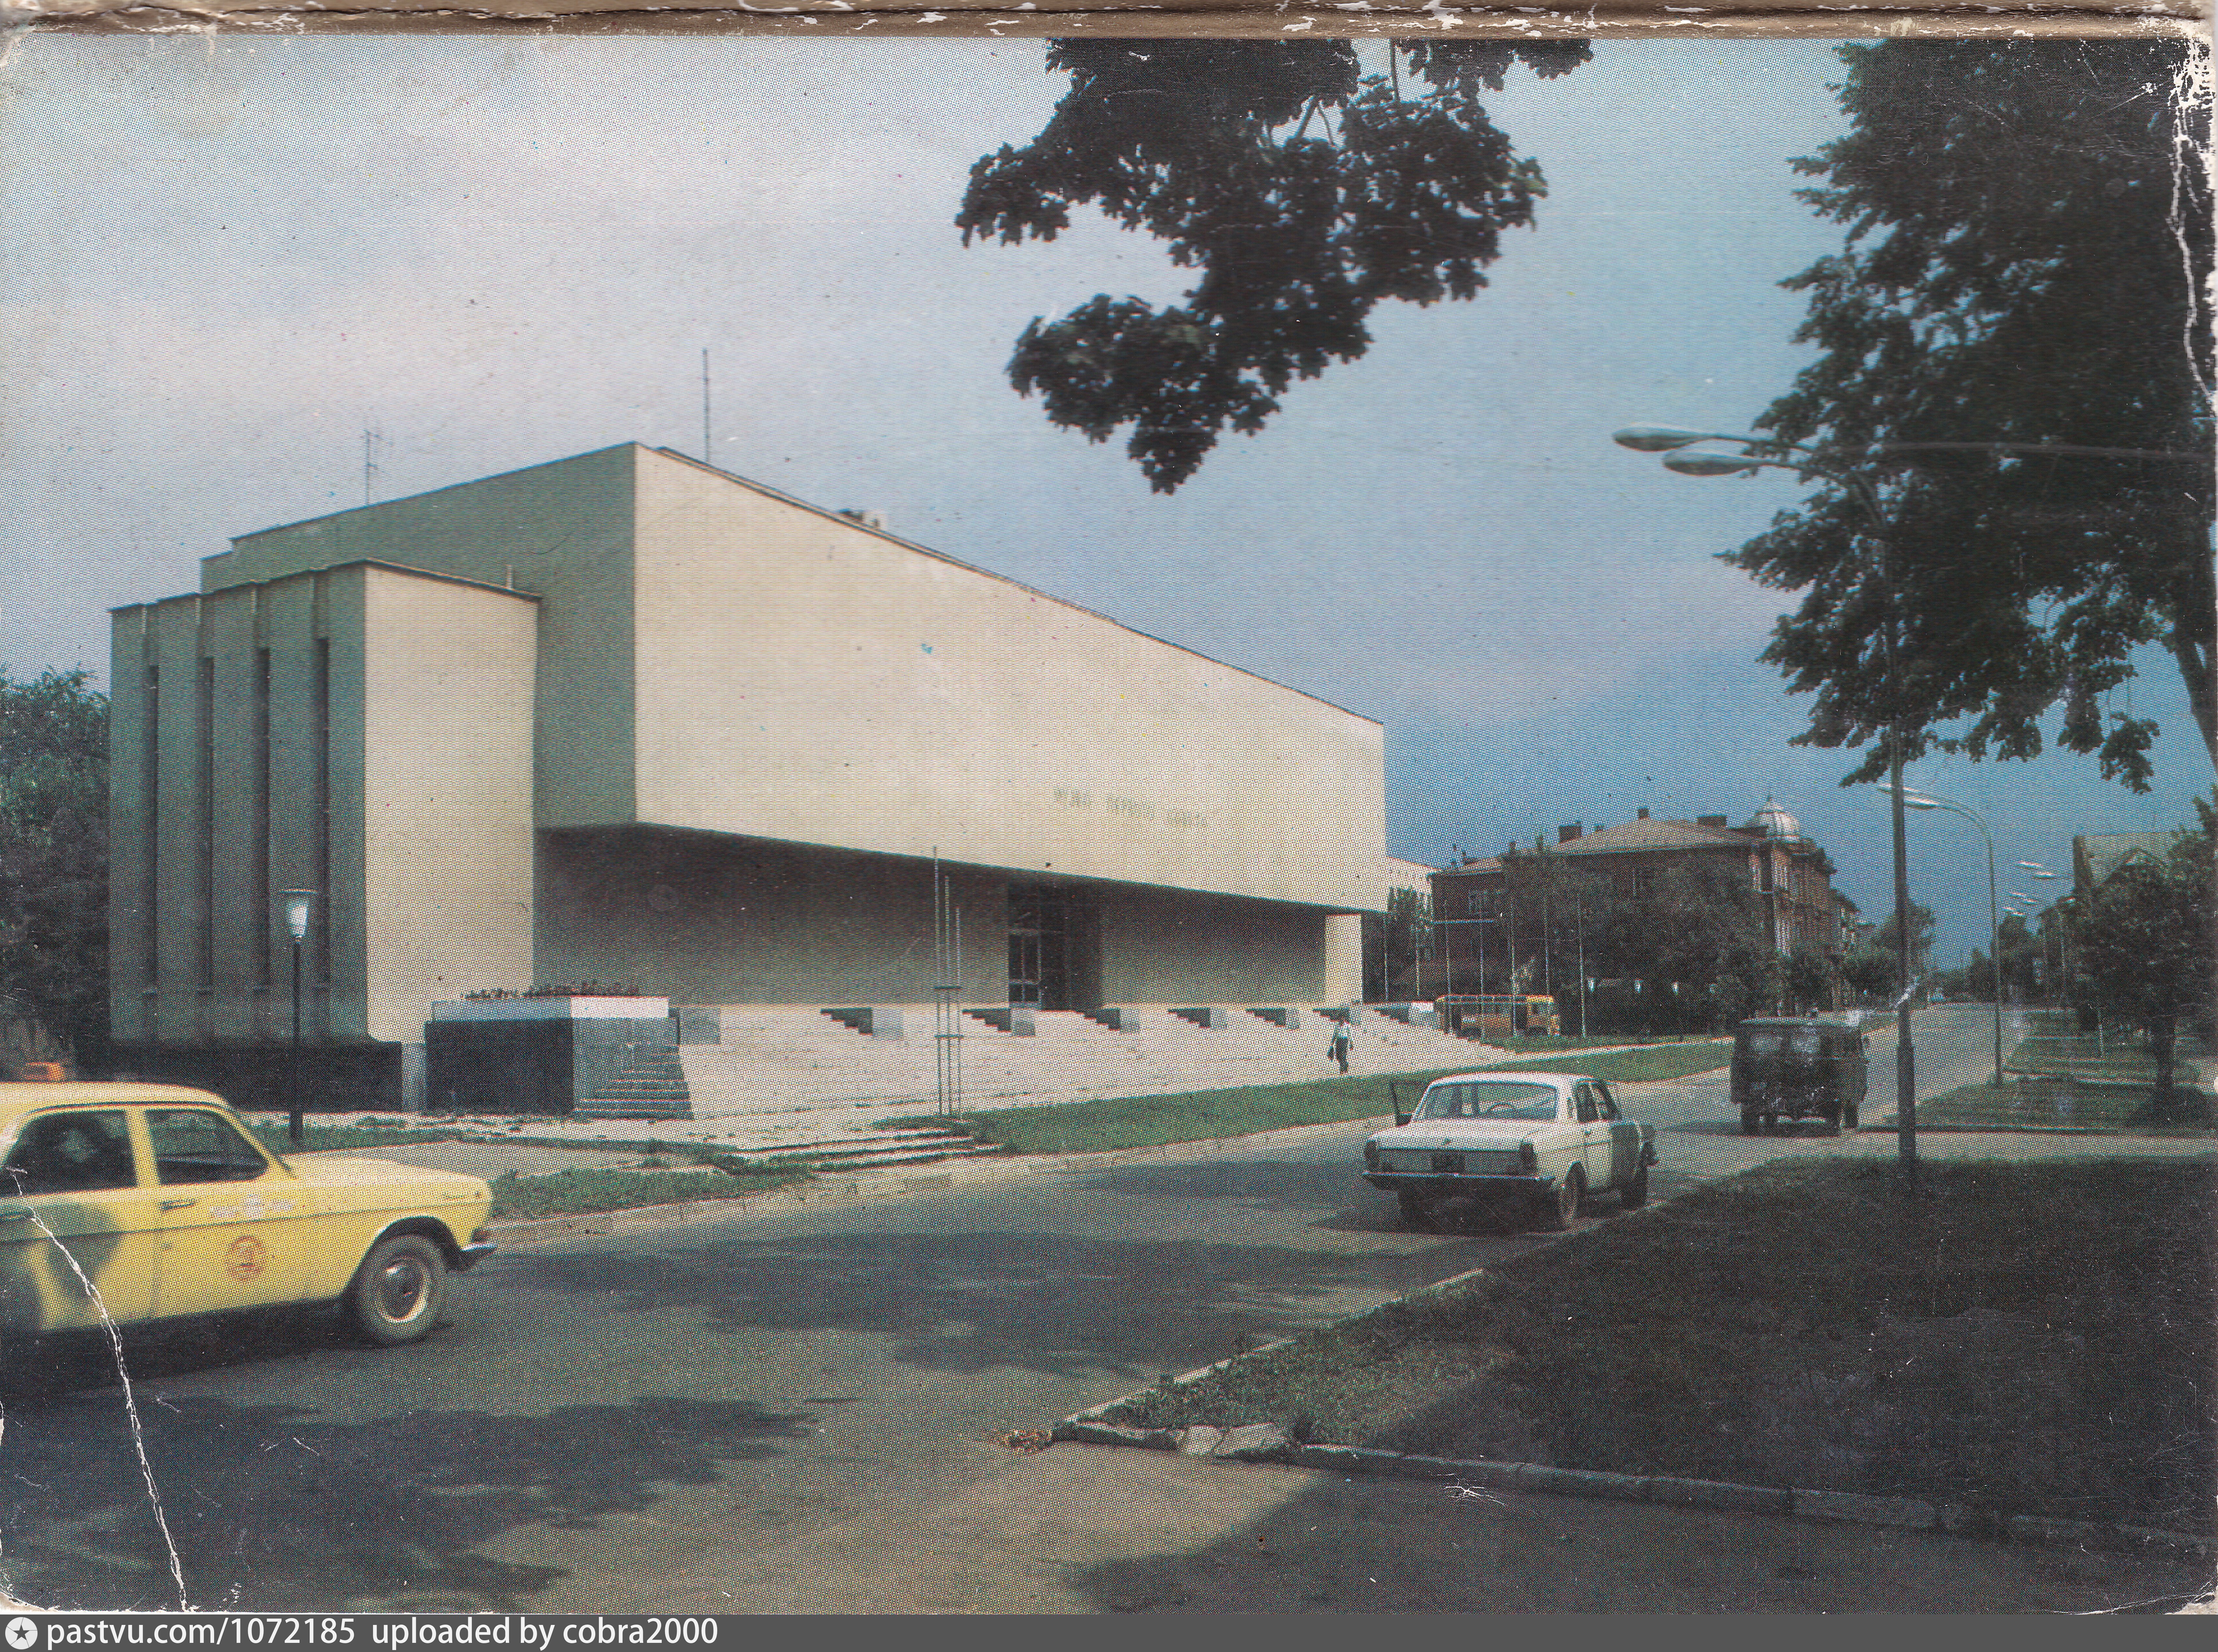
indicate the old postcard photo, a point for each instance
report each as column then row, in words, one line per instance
column 1244, row 820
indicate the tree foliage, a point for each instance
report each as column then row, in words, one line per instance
column 1808, row 982
column 2143, row 952
column 1394, row 943
column 53, row 852
column 1871, row 973
column 1921, row 943
column 2028, row 230
column 1695, row 939
column 1302, row 193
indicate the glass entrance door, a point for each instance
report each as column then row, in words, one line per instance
column 1039, row 947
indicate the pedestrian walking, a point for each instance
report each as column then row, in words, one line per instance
column 1338, row 1049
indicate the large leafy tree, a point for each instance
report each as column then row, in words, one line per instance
column 53, row 853
column 1695, row 939
column 1302, row 193
column 2027, row 235
column 2142, row 953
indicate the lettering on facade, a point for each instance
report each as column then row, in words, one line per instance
column 1132, row 808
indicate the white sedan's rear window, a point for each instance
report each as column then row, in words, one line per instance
column 1490, row 1098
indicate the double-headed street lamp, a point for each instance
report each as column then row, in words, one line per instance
column 1925, row 801
column 1670, row 441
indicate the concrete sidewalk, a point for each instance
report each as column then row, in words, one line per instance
column 1089, row 1529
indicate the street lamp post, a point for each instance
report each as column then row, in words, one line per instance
column 1583, row 966
column 299, row 904
column 1668, row 441
column 1925, row 801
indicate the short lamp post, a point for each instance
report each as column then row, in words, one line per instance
column 300, row 905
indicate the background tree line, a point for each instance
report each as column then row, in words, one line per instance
column 54, row 869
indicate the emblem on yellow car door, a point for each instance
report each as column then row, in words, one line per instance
column 246, row 1257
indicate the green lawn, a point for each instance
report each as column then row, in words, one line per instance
column 342, row 1138
column 2022, row 1337
column 2056, row 1045
column 1205, row 1115
column 2038, row 1102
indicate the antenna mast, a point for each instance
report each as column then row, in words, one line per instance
column 708, row 456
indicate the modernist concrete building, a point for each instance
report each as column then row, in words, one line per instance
column 627, row 719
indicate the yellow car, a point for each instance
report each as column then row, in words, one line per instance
column 128, row 1203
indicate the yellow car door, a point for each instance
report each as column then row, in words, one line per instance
column 235, row 1223
column 78, row 1226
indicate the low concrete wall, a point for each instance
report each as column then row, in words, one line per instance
column 552, row 1056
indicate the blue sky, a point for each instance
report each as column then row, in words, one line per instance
column 221, row 258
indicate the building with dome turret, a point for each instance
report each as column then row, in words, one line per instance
column 1500, row 907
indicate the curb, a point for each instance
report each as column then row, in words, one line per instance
column 1266, row 1443
column 1715, row 1496
column 1883, row 1125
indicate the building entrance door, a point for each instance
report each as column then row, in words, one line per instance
column 1039, row 947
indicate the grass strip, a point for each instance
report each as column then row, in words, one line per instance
column 2037, row 1101
column 342, row 1138
column 582, row 1192
column 1105, row 1125
column 2024, row 1338
column 2055, row 1046
column 1655, row 1061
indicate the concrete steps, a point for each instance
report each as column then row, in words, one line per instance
column 776, row 1060
column 879, row 1150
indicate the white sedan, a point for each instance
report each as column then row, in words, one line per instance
column 1543, row 1139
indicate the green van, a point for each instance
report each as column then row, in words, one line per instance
column 1788, row 1068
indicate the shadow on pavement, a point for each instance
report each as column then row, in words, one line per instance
column 272, row 1508
column 1068, row 1306
column 1265, row 1183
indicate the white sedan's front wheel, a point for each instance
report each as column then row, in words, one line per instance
column 1564, row 1209
column 400, row 1289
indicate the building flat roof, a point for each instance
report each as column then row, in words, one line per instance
column 843, row 520
column 379, row 563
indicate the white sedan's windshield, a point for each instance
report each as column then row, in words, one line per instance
column 1489, row 1098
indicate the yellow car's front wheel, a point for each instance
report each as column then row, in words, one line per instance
column 400, row 1291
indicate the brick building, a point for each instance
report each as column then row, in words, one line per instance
column 1496, row 910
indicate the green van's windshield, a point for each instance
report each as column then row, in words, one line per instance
column 1780, row 1041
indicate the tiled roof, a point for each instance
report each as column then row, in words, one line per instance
column 2100, row 854
column 1632, row 837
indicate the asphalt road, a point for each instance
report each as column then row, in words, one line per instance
column 603, row 1415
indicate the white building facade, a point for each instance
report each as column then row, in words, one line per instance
column 624, row 719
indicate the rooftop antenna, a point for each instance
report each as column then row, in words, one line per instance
column 371, row 435
column 708, row 453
